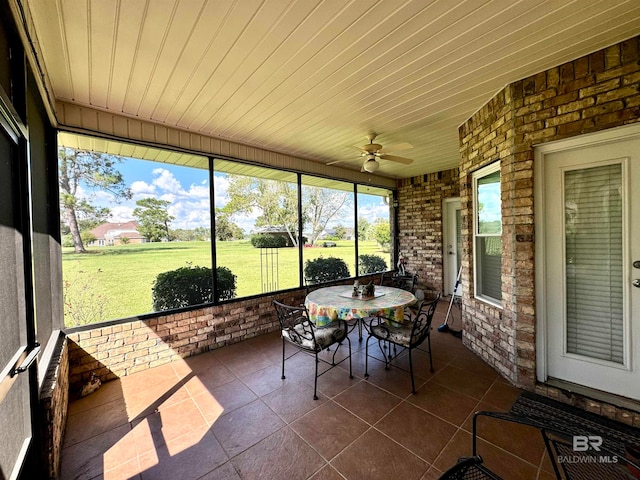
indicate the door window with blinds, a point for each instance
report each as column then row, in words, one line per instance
column 593, row 269
column 487, row 233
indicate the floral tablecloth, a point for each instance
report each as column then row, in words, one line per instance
column 331, row 303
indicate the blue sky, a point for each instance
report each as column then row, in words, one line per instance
column 188, row 191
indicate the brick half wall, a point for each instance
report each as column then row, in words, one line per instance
column 117, row 350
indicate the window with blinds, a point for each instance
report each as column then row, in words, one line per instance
column 488, row 233
column 593, row 246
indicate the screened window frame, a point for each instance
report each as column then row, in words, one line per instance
column 477, row 267
column 324, row 181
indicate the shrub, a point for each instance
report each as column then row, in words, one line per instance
column 226, row 283
column 187, row 286
column 87, row 237
column 268, row 241
column 83, row 301
column 323, row 270
column 371, row 264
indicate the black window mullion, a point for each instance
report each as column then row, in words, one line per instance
column 355, row 227
column 300, row 234
column 212, row 216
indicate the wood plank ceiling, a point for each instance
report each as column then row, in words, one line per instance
column 312, row 78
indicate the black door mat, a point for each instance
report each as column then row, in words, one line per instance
column 554, row 415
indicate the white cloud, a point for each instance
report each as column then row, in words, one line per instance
column 198, row 191
column 169, row 197
column 95, row 197
column 372, row 212
column 220, row 187
column 121, row 213
column 166, row 181
column 190, row 206
column 189, row 215
column 139, row 187
column 100, row 196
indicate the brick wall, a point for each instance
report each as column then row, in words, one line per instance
column 486, row 138
column 419, row 217
column 592, row 93
column 54, row 400
column 113, row 351
column 118, row 350
column 622, row 415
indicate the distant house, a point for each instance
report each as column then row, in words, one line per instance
column 331, row 232
column 112, row 234
column 277, row 232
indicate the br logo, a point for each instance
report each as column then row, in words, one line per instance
column 582, row 443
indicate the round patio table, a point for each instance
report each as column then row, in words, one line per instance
column 331, row 303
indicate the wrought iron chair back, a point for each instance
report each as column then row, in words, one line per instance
column 422, row 321
column 583, row 461
column 406, row 282
column 310, row 285
column 473, row 467
column 469, row 468
column 294, row 320
column 297, row 330
column 409, row 336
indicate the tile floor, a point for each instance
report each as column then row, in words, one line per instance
column 227, row 414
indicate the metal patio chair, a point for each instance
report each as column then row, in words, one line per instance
column 473, row 467
column 299, row 331
column 412, row 333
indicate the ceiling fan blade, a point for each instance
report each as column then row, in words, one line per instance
column 356, row 147
column 394, row 158
column 396, row 147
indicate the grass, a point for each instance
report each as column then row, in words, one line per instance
column 116, row 282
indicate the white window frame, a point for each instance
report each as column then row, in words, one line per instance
column 477, row 291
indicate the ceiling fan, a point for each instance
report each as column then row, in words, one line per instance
column 374, row 151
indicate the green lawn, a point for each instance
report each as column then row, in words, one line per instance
column 115, row 282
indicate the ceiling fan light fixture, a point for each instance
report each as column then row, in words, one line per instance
column 371, row 165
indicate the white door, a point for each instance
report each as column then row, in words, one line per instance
column 590, row 226
column 452, row 243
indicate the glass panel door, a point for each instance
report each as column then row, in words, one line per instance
column 588, row 287
column 593, row 244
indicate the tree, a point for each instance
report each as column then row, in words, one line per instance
column 226, row 229
column 87, row 171
column 320, row 205
column 153, row 218
column 202, row 234
column 382, row 233
column 87, row 237
column 340, row 231
column 276, row 201
column 363, row 228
